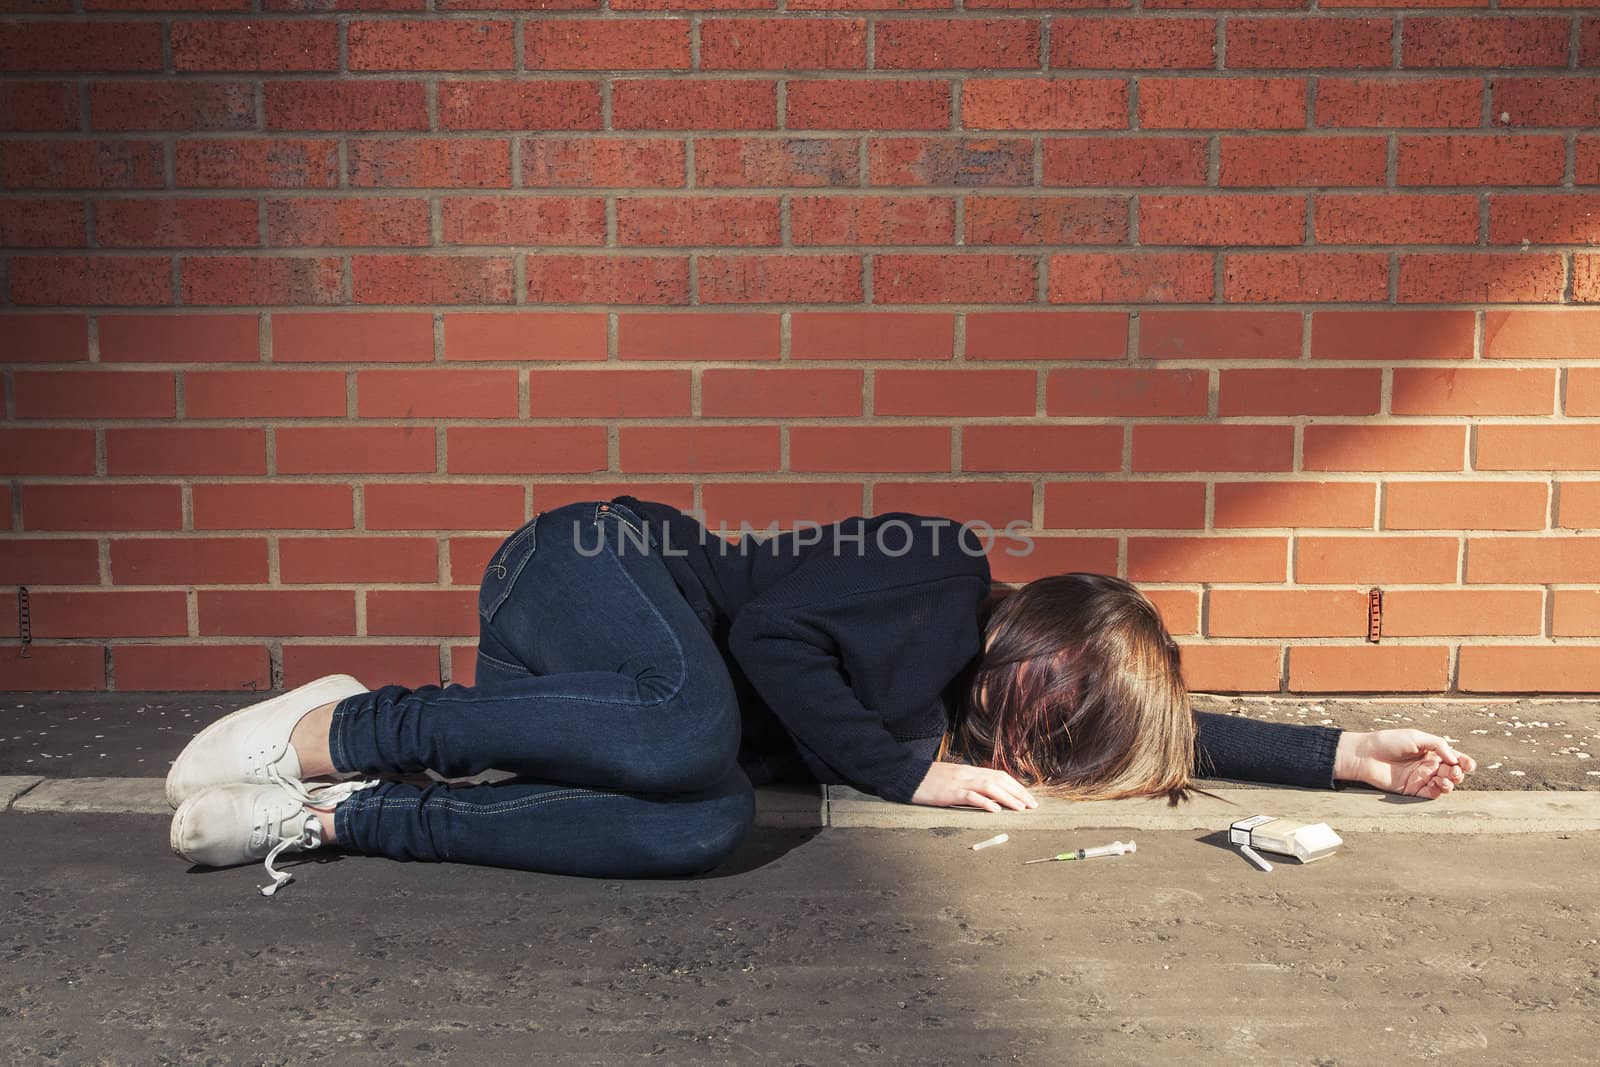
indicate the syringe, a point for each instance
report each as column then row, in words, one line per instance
column 1116, row 848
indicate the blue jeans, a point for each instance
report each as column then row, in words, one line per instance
column 596, row 685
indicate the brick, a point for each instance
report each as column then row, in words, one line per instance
column 275, row 45
column 1012, row 448
column 1583, row 391
column 1497, row 40
column 41, row 451
column 409, row 665
column 696, row 104
column 524, row 335
column 1232, row 668
column 1047, row 335
column 1370, row 559
column 469, row 556
column 395, row 163
column 186, row 668
column 548, row 495
column 709, row 449
column 1391, row 334
column 318, row 222
column 1303, row 160
column 763, row 503
column 1147, row 43
column 1299, row 43
column 91, row 280
column 996, row 503
column 82, row 164
column 1399, row 100
column 1278, row 391
column 1543, row 333
column 956, row 44
column 1232, row 219
column 954, row 392
column 869, row 335
column 168, row 5
column 918, row 161
column 607, row 279
column 1044, row 104
column 1538, row 448
column 38, row 106
column 626, row 394
column 698, row 335
column 1207, row 558
column 1262, row 504
column 1124, row 161
column 1586, row 278
column 1366, row 448
column 1306, row 276
column 621, row 162
column 868, row 220
column 335, row 560
column 1463, row 612
column 1543, row 218
column 43, row 224
column 434, row 44
column 608, row 44
column 525, row 449
column 856, row 104
column 1228, row 104
column 1542, row 560
column 189, row 561
column 786, row 44
column 257, row 163
column 171, row 105
column 1130, row 277
column 444, row 507
column 109, row 614
column 690, row 220
column 436, row 394
column 278, row 505
column 540, row 220
column 339, row 337
column 1576, row 613
column 977, row 278
column 346, row 105
column 1097, row 391
column 519, row 105
column 46, row 338
column 1286, row 613
column 1524, row 669
column 60, row 667
column 355, row 449
column 1481, row 505
column 94, row 395
column 273, row 612
column 182, row 338
column 1480, row 159
column 91, row 47
column 100, row 508
column 768, row 393
column 1053, row 220
column 186, row 451
column 723, row 162
column 1213, row 448
column 49, row 561
column 790, row 278
column 1230, row 334
column 175, row 223
column 1473, row 391
column 396, row 613
column 1107, row 505
column 235, row 280
column 263, row 394
column 432, row 279
column 1396, row 218
column 1399, row 669
column 869, row 448
column 1587, row 165
column 1473, row 277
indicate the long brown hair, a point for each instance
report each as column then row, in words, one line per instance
column 1079, row 693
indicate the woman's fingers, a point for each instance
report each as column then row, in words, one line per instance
column 978, row 800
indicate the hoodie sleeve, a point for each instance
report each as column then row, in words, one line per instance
column 1273, row 753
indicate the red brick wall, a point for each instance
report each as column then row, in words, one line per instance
column 1258, row 306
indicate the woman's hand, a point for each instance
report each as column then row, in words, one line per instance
column 1402, row 761
column 956, row 785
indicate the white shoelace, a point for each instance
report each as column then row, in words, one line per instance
column 320, row 798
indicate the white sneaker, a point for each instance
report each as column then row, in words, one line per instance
column 252, row 744
column 231, row 824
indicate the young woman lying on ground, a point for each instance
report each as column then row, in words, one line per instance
column 638, row 674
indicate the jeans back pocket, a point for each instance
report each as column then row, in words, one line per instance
column 504, row 567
